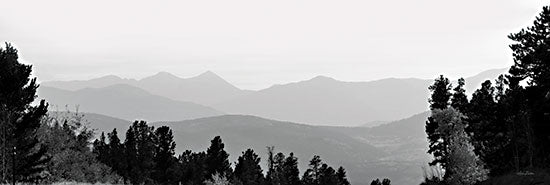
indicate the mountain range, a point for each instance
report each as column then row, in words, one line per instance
column 206, row 88
column 318, row 101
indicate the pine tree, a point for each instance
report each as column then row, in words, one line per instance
column 291, row 172
column 459, row 99
column 376, row 182
column 217, row 159
column 248, row 170
column 489, row 134
column 311, row 175
column 440, row 93
column 327, row 175
column 166, row 171
column 130, row 152
column 101, row 150
column 531, row 50
column 341, row 175
column 531, row 47
column 22, row 156
column 193, row 167
column 118, row 160
column 439, row 100
column 279, row 174
column 386, row 182
column 140, row 152
column 270, row 165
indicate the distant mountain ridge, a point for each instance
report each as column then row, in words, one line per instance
column 326, row 101
column 206, row 88
column 319, row 101
column 126, row 102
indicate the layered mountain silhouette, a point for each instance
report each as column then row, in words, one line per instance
column 326, row 101
column 126, row 102
column 206, row 88
column 319, row 101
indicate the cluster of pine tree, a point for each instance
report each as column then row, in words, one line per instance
column 22, row 157
column 504, row 127
column 147, row 156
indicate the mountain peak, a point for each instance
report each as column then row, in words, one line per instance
column 208, row 74
column 322, row 78
column 163, row 75
column 108, row 77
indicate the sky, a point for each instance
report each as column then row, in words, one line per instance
column 254, row 44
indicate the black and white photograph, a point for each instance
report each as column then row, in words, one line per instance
column 263, row 92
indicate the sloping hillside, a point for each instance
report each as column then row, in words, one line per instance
column 126, row 102
column 396, row 149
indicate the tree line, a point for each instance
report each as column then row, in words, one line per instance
column 504, row 127
column 147, row 156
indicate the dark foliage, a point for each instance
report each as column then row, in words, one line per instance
column 383, row 182
column 217, row 159
column 439, row 100
column 166, row 167
column 22, row 156
column 341, row 175
column 248, row 170
column 532, row 63
column 140, row 151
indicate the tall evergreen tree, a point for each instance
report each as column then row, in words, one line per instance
column 440, row 93
column 291, row 172
column 217, row 159
column 531, row 48
column 489, row 134
column 439, row 100
column 312, row 174
column 531, row 51
column 341, row 175
column 22, row 157
column 270, row 164
column 130, row 152
column 279, row 174
column 101, row 150
column 248, row 170
column 193, row 167
column 118, row 160
column 140, row 151
column 459, row 99
column 166, row 169
column 514, row 113
column 327, row 175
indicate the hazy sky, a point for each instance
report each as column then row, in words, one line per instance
column 256, row 43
